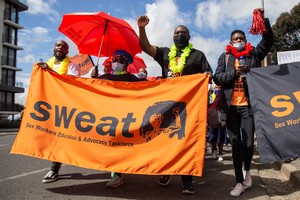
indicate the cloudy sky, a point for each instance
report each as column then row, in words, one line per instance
column 210, row 23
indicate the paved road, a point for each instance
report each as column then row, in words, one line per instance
column 21, row 178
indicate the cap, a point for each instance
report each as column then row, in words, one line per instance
column 124, row 55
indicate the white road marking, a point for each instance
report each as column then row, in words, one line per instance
column 23, row 175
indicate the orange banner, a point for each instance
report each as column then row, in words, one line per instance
column 149, row 127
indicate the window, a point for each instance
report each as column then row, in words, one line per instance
column 13, row 36
column 8, row 77
column 10, row 34
column 4, row 77
column 11, row 13
column 6, row 13
column 6, row 33
column 9, row 56
column 2, row 101
column 7, row 101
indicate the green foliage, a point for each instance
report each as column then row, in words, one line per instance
column 286, row 32
column 19, row 107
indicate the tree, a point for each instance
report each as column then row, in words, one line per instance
column 286, row 32
column 19, row 107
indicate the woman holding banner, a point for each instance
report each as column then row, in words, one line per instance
column 120, row 62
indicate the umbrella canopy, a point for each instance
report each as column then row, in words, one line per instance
column 137, row 64
column 99, row 34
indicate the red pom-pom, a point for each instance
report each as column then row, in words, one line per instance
column 258, row 23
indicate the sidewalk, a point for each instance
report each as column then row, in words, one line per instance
column 9, row 129
column 3, row 131
column 291, row 170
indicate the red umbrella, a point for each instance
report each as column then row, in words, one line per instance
column 99, row 34
column 137, row 64
column 109, row 59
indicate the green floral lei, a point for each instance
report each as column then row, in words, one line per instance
column 172, row 58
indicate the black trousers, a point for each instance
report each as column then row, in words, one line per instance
column 55, row 166
column 187, row 179
column 240, row 126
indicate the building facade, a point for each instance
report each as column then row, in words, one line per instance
column 9, row 26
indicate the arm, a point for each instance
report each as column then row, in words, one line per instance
column 224, row 75
column 142, row 22
column 44, row 65
column 266, row 42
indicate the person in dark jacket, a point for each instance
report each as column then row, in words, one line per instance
column 120, row 61
column 240, row 123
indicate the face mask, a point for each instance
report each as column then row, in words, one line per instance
column 117, row 67
column 181, row 41
column 239, row 46
column 216, row 92
column 141, row 75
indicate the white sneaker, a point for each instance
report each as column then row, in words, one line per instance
column 50, row 177
column 214, row 154
column 220, row 158
column 115, row 182
column 247, row 183
column 238, row 190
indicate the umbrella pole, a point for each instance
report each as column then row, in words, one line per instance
column 104, row 32
column 100, row 50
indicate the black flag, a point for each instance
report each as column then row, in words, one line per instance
column 275, row 99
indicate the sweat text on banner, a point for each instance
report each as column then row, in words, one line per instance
column 149, row 127
column 275, row 98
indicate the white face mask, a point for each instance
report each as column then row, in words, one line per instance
column 239, row 46
column 117, row 67
column 141, row 75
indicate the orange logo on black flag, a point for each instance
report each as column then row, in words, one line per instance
column 275, row 99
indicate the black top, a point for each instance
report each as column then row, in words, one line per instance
column 195, row 63
column 225, row 74
column 120, row 77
